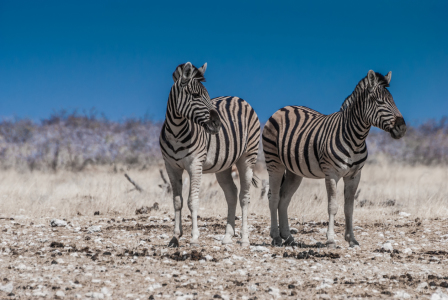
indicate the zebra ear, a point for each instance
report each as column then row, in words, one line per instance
column 187, row 72
column 202, row 69
column 388, row 77
column 371, row 77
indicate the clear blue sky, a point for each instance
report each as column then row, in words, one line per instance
column 118, row 56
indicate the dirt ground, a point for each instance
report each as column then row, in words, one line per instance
column 117, row 257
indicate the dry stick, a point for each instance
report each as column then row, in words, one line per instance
column 137, row 187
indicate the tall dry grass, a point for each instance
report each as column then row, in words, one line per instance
column 421, row 191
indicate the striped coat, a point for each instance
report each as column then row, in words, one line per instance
column 203, row 135
column 300, row 142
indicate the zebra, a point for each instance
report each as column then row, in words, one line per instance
column 203, row 135
column 300, row 142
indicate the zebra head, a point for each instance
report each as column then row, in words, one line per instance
column 384, row 113
column 192, row 99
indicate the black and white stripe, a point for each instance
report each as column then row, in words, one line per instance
column 300, row 142
column 203, row 135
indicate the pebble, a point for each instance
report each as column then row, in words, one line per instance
column 95, row 295
column 439, row 295
column 402, row 295
column 293, row 230
column 259, row 249
column 60, row 294
column 7, row 288
column 407, row 251
column 58, row 223
column 387, row 246
column 94, row 228
column 404, row 214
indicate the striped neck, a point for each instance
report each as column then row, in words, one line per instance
column 174, row 122
column 355, row 115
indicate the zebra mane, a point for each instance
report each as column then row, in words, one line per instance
column 360, row 87
column 196, row 73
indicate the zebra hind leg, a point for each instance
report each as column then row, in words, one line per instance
column 245, row 170
column 225, row 180
column 350, row 187
column 288, row 188
column 275, row 181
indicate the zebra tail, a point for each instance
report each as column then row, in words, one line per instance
column 255, row 180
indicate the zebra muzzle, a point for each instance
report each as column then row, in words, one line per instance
column 399, row 128
column 213, row 125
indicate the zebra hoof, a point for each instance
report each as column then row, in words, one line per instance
column 289, row 241
column 353, row 243
column 226, row 240
column 174, row 243
column 245, row 243
column 277, row 242
column 331, row 244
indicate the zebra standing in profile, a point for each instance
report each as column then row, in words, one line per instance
column 300, row 142
column 200, row 135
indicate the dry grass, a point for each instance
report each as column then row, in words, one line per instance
column 421, row 191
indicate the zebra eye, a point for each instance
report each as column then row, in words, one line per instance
column 195, row 95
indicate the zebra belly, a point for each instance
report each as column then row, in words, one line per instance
column 221, row 154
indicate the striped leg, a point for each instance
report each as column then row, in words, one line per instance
column 175, row 176
column 246, row 173
column 275, row 182
column 350, row 187
column 195, row 172
column 331, row 183
column 225, row 180
column 289, row 187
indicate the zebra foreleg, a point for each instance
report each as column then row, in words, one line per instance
column 275, row 181
column 350, row 187
column 225, row 180
column 288, row 188
column 331, row 184
column 175, row 176
column 195, row 172
column 246, row 174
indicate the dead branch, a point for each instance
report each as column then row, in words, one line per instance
column 137, row 187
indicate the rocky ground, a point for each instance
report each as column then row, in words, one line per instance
column 126, row 257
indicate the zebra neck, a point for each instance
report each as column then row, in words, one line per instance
column 175, row 124
column 354, row 120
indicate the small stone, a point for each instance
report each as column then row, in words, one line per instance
column 402, row 295
column 60, row 294
column 163, row 236
column 387, row 246
column 404, row 214
column 7, row 288
column 106, row 291
column 259, row 249
column 293, row 230
column 95, row 228
column 407, row 251
column 58, row 223
column 439, row 295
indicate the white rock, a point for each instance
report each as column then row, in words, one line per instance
column 402, row 295
column 7, row 288
column 218, row 237
column 106, row 291
column 58, row 223
column 60, row 294
column 259, row 249
column 164, row 236
column 274, row 292
column 95, row 295
column 293, row 230
column 404, row 214
column 422, row 285
column 357, row 228
column 60, row 261
column 39, row 294
column 387, row 246
column 154, row 286
column 94, row 228
column 407, row 251
column 439, row 295
column 252, row 288
column 208, row 257
column 21, row 267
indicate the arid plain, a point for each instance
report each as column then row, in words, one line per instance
column 77, row 235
